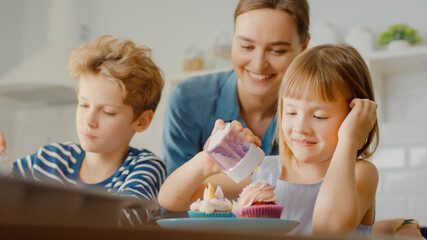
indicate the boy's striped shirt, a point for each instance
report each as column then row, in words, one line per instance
column 141, row 174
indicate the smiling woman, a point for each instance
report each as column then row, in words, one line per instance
column 268, row 35
column 259, row 58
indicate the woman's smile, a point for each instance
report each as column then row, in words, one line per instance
column 259, row 78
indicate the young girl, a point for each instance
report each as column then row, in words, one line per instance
column 327, row 130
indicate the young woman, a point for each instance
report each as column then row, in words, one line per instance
column 268, row 35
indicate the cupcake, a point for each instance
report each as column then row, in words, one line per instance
column 213, row 205
column 257, row 200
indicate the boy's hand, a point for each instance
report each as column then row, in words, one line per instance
column 359, row 122
column 236, row 125
column 2, row 142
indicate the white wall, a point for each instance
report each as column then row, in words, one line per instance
column 377, row 15
column 7, row 122
column 402, row 156
column 170, row 27
column 10, row 42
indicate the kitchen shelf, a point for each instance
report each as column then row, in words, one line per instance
column 387, row 63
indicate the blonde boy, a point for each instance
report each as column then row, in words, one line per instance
column 119, row 87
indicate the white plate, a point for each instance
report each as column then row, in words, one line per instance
column 239, row 225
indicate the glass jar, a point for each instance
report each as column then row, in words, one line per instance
column 222, row 51
column 193, row 59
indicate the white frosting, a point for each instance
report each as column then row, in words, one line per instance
column 211, row 205
column 219, row 203
column 206, row 207
column 219, row 193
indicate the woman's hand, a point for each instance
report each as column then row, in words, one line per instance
column 359, row 122
column 2, row 142
column 386, row 227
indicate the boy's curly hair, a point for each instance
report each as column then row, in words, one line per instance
column 128, row 66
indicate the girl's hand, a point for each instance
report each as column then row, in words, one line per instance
column 2, row 142
column 236, row 125
column 360, row 121
column 209, row 163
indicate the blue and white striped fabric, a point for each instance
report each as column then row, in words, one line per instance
column 141, row 174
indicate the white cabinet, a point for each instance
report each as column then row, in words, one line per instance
column 399, row 61
column 384, row 64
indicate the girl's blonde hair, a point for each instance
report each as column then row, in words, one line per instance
column 327, row 73
column 123, row 63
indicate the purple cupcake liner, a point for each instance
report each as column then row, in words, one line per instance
column 261, row 211
column 194, row 214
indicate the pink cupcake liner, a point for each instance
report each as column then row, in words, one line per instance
column 261, row 211
column 194, row 214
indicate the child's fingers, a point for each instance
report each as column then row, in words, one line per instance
column 363, row 107
column 251, row 137
column 219, row 125
column 370, row 109
column 236, row 125
column 373, row 111
column 361, row 119
column 2, row 142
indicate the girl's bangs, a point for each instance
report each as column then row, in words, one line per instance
column 311, row 84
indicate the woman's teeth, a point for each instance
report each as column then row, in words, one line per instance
column 258, row 76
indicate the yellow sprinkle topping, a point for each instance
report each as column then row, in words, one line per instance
column 211, row 191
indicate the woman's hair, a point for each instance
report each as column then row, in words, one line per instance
column 123, row 63
column 298, row 9
column 327, row 73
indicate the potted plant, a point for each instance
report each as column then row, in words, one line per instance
column 399, row 36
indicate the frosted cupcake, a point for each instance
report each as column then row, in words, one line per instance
column 257, row 200
column 213, row 205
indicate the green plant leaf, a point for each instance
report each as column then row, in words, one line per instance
column 399, row 32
